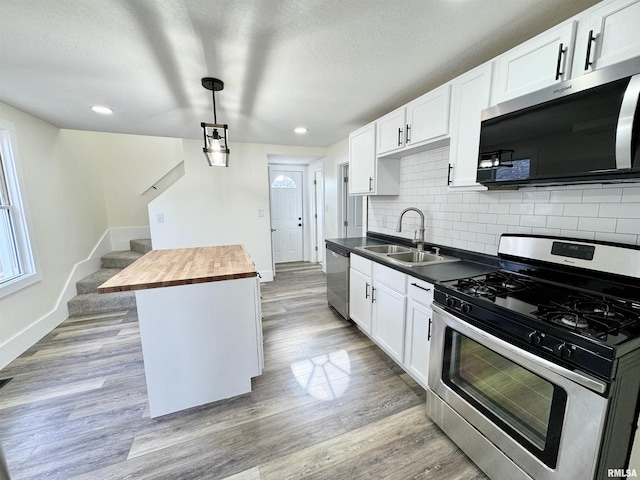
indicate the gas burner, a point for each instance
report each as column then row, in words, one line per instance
column 571, row 320
column 596, row 317
column 483, row 291
column 492, row 285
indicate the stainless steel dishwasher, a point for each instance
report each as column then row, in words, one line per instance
column 338, row 278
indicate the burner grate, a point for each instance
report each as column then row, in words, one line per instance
column 493, row 285
column 598, row 317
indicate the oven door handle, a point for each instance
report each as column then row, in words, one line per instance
column 580, row 378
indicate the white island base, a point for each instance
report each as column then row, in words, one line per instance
column 201, row 342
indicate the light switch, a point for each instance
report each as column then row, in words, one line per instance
column 160, row 217
column 261, row 213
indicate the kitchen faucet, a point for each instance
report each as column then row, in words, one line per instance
column 419, row 239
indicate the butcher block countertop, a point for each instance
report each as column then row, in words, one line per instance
column 182, row 266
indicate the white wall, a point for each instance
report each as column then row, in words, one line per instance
column 65, row 201
column 218, row 206
column 129, row 165
column 475, row 220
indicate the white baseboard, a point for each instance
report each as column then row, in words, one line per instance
column 113, row 239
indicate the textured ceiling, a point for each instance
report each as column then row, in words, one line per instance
column 329, row 65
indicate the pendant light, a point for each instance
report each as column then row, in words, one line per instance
column 215, row 135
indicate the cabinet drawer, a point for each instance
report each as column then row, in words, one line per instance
column 420, row 291
column 361, row 264
column 390, row 277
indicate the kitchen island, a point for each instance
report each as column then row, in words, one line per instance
column 200, row 323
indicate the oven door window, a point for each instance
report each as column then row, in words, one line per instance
column 527, row 407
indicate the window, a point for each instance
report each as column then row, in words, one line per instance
column 282, row 181
column 17, row 268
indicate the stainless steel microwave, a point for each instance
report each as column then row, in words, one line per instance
column 584, row 130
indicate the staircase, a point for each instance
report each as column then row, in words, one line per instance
column 89, row 301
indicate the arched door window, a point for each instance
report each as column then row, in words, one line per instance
column 282, row 181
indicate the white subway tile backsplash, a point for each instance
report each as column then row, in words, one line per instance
column 549, row 209
column 533, row 220
column 581, row 209
column 597, row 224
column 566, row 196
column 631, row 194
column 628, row 225
column 620, row 210
column 602, row 195
column 510, row 197
column 487, row 218
column 616, row 237
column 499, row 208
column 562, row 222
column 475, row 220
column 508, row 219
column 535, row 196
column 521, row 208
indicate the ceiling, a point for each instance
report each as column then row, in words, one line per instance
column 328, row 65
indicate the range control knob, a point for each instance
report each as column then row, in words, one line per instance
column 465, row 307
column 450, row 301
column 534, row 338
column 563, row 350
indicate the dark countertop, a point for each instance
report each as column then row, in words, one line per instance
column 471, row 263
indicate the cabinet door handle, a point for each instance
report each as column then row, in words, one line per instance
column 408, row 133
column 399, row 137
column 421, row 288
column 371, row 184
column 373, row 297
column 449, row 174
column 429, row 331
column 590, row 40
column 561, row 51
column 366, row 290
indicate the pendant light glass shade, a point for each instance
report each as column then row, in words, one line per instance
column 216, row 148
column 215, row 144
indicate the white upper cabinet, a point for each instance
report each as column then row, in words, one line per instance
column 612, row 36
column 471, row 93
column 369, row 175
column 428, row 116
column 537, row 63
column 362, row 159
column 390, row 131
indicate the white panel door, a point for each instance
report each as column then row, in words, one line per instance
column 286, row 215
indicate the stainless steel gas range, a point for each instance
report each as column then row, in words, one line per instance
column 535, row 368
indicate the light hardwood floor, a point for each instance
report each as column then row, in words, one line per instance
column 329, row 405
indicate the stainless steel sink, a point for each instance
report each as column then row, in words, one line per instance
column 386, row 249
column 408, row 257
column 417, row 259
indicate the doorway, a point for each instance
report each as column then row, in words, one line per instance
column 286, row 215
column 351, row 218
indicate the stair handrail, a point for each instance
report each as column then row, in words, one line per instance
column 154, row 185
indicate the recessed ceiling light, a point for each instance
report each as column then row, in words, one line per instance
column 301, row 130
column 102, row 110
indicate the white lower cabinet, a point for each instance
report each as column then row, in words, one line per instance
column 388, row 319
column 360, row 287
column 418, row 329
column 418, row 336
column 394, row 310
column 360, row 300
column 388, row 302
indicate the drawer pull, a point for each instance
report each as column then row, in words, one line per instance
column 421, row 288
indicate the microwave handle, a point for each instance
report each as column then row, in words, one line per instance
column 624, row 130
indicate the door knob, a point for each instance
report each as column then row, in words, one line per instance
column 273, row 230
